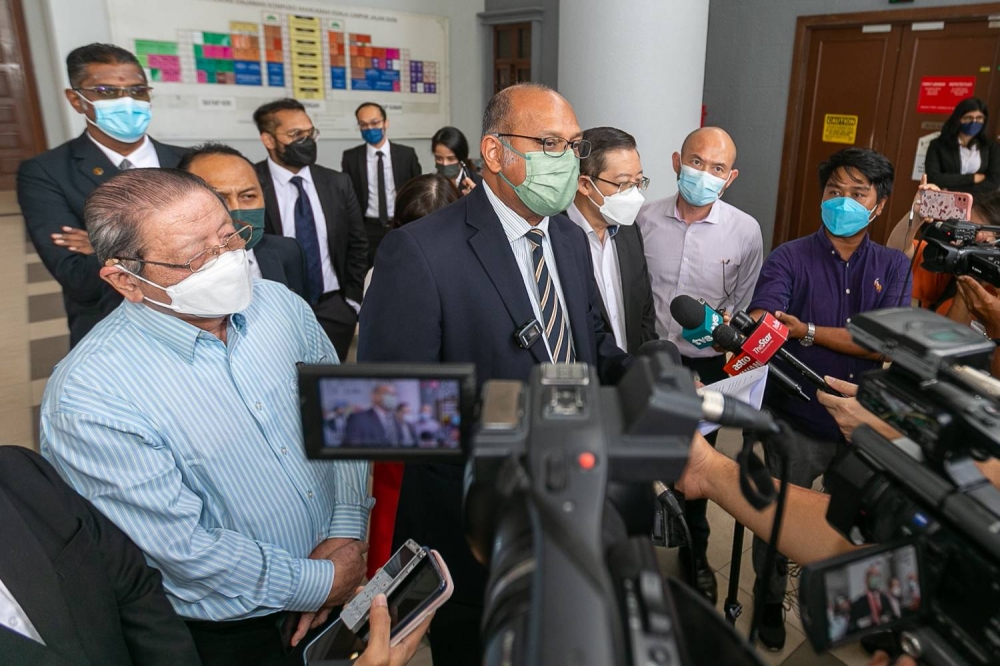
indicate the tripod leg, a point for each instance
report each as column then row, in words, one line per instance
column 733, row 608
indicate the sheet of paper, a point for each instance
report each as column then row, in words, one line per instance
column 747, row 387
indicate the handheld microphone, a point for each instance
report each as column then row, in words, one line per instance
column 696, row 318
column 767, row 333
column 729, row 339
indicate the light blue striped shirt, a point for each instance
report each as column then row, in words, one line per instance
column 515, row 227
column 194, row 448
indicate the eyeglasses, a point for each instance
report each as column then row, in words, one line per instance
column 375, row 124
column 553, row 146
column 642, row 184
column 114, row 92
column 299, row 134
column 199, row 262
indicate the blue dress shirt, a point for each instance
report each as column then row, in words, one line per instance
column 193, row 447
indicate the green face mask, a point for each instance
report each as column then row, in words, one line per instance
column 253, row 217
column 549, row 182
column 875, row 583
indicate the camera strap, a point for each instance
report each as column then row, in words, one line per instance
column 756, row 482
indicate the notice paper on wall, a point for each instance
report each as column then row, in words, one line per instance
column 747, row 387
column 923, row 143
column 940, row 94
column 840, row 128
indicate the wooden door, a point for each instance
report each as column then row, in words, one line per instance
column 21, row 133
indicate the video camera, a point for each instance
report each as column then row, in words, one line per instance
column 937, row 579
column 951, row 247
column 567, row 582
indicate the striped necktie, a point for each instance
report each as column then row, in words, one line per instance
column 125, row 165
column 553, row 319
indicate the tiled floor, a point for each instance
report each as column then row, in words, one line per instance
column 33, row 337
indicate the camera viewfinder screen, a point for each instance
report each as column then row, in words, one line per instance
column 397, row 413
column 872, row 592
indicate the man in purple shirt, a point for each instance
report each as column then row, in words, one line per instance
column 814, row 285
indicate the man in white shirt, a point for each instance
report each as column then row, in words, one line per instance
column 317, row 207
column 609, row 195
column 378, row 170
column 701, row 246
column 108, row 87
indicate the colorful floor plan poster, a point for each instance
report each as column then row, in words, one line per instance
column 212, row 62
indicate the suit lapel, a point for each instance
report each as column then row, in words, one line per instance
column 623, row 246
column 399, row 172
column 493, row 251
column 577, row 304
column 91, row 161
column 167, row 156
column 28, row 573
column 268, row 262
column 362, row 166
column 273, row 224
column 325, row 192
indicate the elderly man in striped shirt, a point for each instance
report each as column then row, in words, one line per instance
column 178, row 417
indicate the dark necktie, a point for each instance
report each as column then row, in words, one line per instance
column 305, row 234
column 383, row 201
column 125, row 165
column 553, row 320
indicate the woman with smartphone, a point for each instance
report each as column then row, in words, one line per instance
column 965, row 158
column 451, row 159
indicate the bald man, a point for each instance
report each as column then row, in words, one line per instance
column 701, row 246
column 499, row 279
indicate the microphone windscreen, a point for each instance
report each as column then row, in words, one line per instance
column 654, row 347
column 687, row 311
column 726, row 337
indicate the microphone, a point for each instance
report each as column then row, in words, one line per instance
column 769, row 335
column 697, row 319
column 729, row 339
column 711, row 405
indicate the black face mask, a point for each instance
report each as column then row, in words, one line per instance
column 300, row 154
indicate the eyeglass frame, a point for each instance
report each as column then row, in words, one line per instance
column 375, row 124
column 299, row 135
column 576, row 146
column 643, row 184
column 121, row 91
column 217, row 249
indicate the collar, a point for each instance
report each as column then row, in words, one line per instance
column 371, row 150
column 175, row 333
column 283, row 176
column 575, row 214
column 514, row 226
column 827, row 245
column 671, row 211
column 116, row 158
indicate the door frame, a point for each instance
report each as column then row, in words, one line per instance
column 20, row 34
column 804, row 27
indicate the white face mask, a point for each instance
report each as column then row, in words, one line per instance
column 220, row 290
column 621, row 208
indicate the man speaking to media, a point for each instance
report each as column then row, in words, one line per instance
column 493, row 280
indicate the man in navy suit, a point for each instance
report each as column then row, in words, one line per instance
column 232, row 176
column 378, row 425
column 109, row 88
column 498, row 279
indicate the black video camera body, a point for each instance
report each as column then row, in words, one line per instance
column 951, row 247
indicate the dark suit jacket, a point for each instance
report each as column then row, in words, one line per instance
column 345, row 227
column 51, row 190
column 861, row 612
column 85, row 587
column 354, row 163
column 943, row 165
column 282, row 260
column 364, row 428
column 447, row 289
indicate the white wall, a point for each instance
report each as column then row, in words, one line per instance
column 56, row 27
column 638, row 66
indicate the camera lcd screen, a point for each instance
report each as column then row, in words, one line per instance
column 872, row 592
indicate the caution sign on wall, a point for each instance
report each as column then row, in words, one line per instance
column 839, row 128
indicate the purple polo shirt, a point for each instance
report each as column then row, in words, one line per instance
column 807, row 279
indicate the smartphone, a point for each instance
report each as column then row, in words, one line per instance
column 945, row 205
column 385, row 580
column 846, row 597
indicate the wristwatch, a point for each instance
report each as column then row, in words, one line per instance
column 810, row 336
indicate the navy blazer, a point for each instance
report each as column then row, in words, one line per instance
column 364, row 429
column 282, row 260
column 85, row 587
column 51, row 190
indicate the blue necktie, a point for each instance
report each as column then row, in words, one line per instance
column 553, row 320
column 305, row 234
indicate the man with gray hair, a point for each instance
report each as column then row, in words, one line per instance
column 178, row 418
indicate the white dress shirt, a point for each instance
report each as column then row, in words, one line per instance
column 717, row 259
column 971, row 159
column 515, row 227
column 287, row 194
column 14, row 618
column 390, row 185
column 607, row 272
column 143, row 157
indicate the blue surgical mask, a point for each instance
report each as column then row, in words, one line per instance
column 845, row 217
column 699, row 188
column 971, row 129
column 373, row 136
column 123, row 119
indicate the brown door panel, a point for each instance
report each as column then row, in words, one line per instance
column 21, row 134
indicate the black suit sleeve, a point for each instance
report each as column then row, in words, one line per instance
column 991, row 169
column 356, row 267
column 46, row 211
column 934, row 166
column 415, row 169
column 155, row 636
column 645, row 290
column 401, row 316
